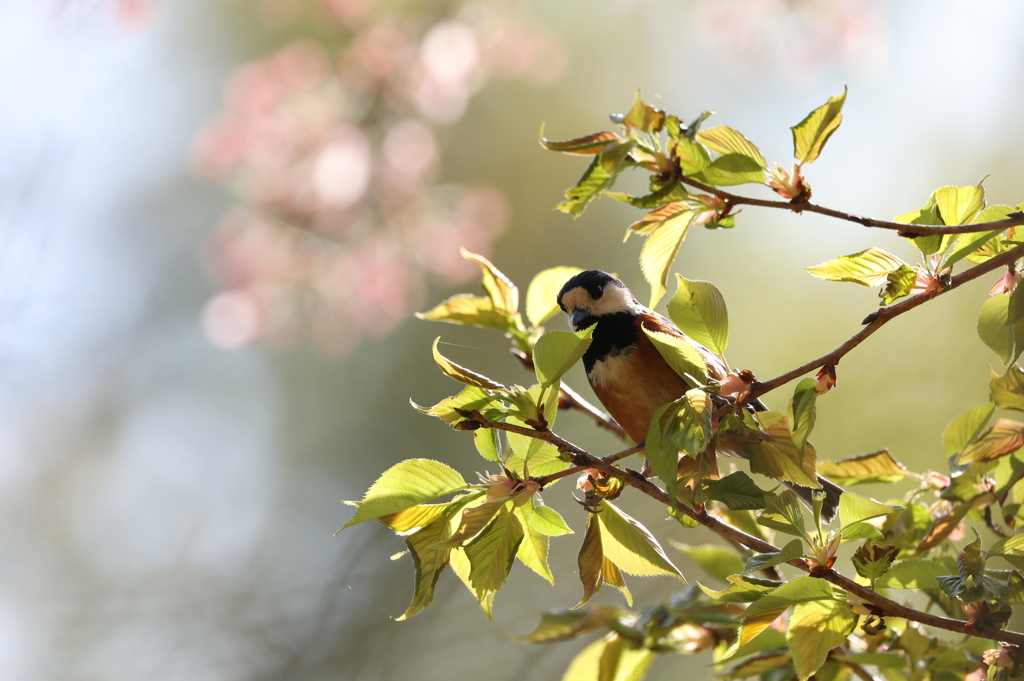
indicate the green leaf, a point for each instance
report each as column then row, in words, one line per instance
column 741, row 589
column 698, row 309
column 683, row 357
column 943, row 527
column 470, row 399
column 409, row 519
column 533, row 551
column 810, row 134
column 959, row 205
column 870, row 267
column 631, row 546
column 660, row 249
column 599, row 175
column 966, row 428
column 1007, row 545
column 715, row 560
column 474, row 520
column 915, row 573
column 462, row 374
column 1002, row 438
column 760, row 561
column 429, row 560
column 671, row 192
column 761, row 613
column 783, row 513
column 556, row 352
column 874, row 467
column 802, row 412
column 590, row 560
column 643, row 116
column 736, row 490
column 486, row 442
column 1005, row 336
column 898, row 284
column 854, row 508
column 491, row 554
column 610, row 659
column 542, row 293
column 880, row 660
column 779, row 459
column 469, row 311
column 814, row 629
column 873, row 561
column 565, row 625
column 681, row 425
column 666, row 214
column 407, row 484
column 546, row 520
column 726, row 140
column 762, row 665
column 587, row 145
column 732, row 169
column 693, row 157
column 966, row 244
column 500, row 289
column 1007, row 391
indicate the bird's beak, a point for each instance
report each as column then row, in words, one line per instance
column 577, row 317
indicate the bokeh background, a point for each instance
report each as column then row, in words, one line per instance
column 218, row 216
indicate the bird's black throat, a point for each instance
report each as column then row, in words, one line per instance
column 615, row 334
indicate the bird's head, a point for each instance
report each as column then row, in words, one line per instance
column 594, row 294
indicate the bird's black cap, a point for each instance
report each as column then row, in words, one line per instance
column 594, row 281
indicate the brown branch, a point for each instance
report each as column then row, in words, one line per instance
column 887, row 608
column 876, row 320
column 904, row 229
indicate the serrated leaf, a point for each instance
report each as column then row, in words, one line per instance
column 547, row 520
column 802, row 412
column 631, row 546
column 877, row 466
column 966, row 244
column 659, row 251
column 995, row 328
column 732, row 169
column 542, row 293
column 693, row 157
column 783, row 513
column 683, row 357
column 587, row 145
column 869, row 267
column 854, row 508
column 778, row 458
column 726, row 140
column 1002, row 438
column 1006, row 545
column 811, row 134
column 461, row 373
column 492, row 553
column 610, row 659
column 643, row 116
column 486, row 442
column 404, row 521
column 599, row 175
column 761, row 613
column 474, row 520
column 1007, row 391
column 859, row 531
column 405, row 485
column 556, row 352
column 471, row 398
column 671, row 192
column 871, row 561
column 467, row 310
column 699, row 310
column 590, row 558
column 667, row 214
column 500, row 289
column 966, row 427
column 760, row 665
column 814, row 629
column 533, row 550
column 959, row 205
column 429, row 560
column 717, row 561
column 741, row 590
column 736, row 490
column 898, row 284
column 760, row 561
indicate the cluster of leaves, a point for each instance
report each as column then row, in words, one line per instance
column 756, row 622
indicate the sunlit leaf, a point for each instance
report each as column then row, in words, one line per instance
column 854, row 508
column 659, row 251
column 959, row 205
column 409, row 519
column 643, row 116
column 492, row 553
column 471, row 398
column 783, row 513
column 741, row 589
column 966, row 428
column 762, row 612
column 590, row 558
column 599, row 175
column 915, row 573
column 871, row 561
column 778, row 458
column 565, row 625
column 474, row 520
column 610, row 659
column 997, row 331
column 665, row 215
column 760, row 665
column 407, row 484
column 486, row 442
column 726, row 140
column 542, row 294
column 736, row 490
column 429, row 560
column 898, row 284
column 869, row 267
column 1002, row 438
column 631, row 546
column 1005, row 546
column 802, row 412
column 693, row 157
column 587, row 145
column 732, row 169
column 967, row 244
column 943, row 527
column 698, row 309
column 546, row 520
column 669, row 193
column 814, row 629
column 467, row 310
column 500, row 289
column 760, row 561
column 533, row 551
column 1007, row 391
column 877, row 466
column 557, row 351
column 680, row 355
column 717, row 561
column 810, row 134
column 462, row 374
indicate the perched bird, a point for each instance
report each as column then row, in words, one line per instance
column 627, row 372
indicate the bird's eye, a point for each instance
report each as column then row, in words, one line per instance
column 596, row 291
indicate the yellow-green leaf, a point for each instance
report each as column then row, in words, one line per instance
column 587, row 145
column 877, row 466
column 556, row 352
column 726, row 140
column 462, row 374
column 1007, row 391
column 631, row 546
column 660, row 250
column 680, row 355
column 854, row 508
column 698, row 309
column 467, row 310
column 405, row 485
column 533, row 551
column 869, row 267
column 502, row 292
column 542, row 293
column 778, row 458
column 959, row 205
column 966, row 427
column 810, row 134
column 815, row 628
column 1002, row 438
column 491, row 554
column 547, row 520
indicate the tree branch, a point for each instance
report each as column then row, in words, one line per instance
column 887, row 608
column 876, row 320
column 903, row 229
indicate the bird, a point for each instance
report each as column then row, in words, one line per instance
column 628, row 374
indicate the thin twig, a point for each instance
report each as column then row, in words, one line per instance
column 886, row 607
column 903, row 229
column 877, row 319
